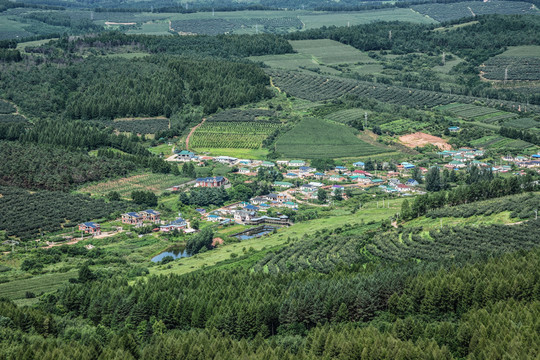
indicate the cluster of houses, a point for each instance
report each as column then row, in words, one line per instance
column 252, row 212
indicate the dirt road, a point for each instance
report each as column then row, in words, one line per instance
column 192, row 131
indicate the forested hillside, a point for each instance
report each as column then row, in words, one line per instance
column 310, row 180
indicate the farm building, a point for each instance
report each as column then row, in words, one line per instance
column 216, row 181
column 453, row 128
column 150, row 215
column 132, row 218
column 90, row 228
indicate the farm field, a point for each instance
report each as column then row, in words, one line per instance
column 43, row 283
column 319, row 88
column 347, row 115
column 523, row 123
column 259, row 153
column 477, row 113
column 315, row 138
column 150, row 182
column 322, row 55
column 141, row 125
column 496, row 141
column 447, row 12
column 518, row 63
column 244, row 135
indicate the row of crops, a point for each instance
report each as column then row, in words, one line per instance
column 451, row 242
column 315, row 138
column 248, row 115
column 497, row 142
column 233, row 135
column 447, row 12
column 48, row 211
column 512, row 68
column 522, row 123
column 346, row 116
column 149, row 182
column 222, row 26
column 319, row 88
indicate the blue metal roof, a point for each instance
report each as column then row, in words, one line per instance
column 91, row 224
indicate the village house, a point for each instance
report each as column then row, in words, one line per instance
column 258, row 200
column 283, row 184
column 403, row 188
column 185, row 155
column 90, row 228
column 150, row 215
column 242, row 216
column 268, row 164
column 283, row 197
column 178, row 224
column 228, row 160
column 290, row 176
column 453, row 128
column 336, row 178
column 297, row 163
column 132, row 218
column 213, row 218
column 359, row 164
column 341, row 169
column 290, row 205
column 270, row 197
column 244, row 170
column 319, row 175
column 216, row 181
column 361, row 179
column 282, row 162
column 308, row 188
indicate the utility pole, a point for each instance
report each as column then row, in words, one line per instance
column 212, row 11
column 256, row 29
column 444, row 58
column 390, row 35
column 505, row 74
column 535, row 214
column 348, row 24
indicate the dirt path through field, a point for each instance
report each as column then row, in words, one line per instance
column 192, row 131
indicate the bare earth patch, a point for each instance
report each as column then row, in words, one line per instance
column 421, row 139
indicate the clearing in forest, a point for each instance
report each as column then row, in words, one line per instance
column 420, row 139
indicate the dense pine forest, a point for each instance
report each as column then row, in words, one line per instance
column 269, row 179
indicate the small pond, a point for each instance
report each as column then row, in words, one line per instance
column 175, row 252
column 255, row 232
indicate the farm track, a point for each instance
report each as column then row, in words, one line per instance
column 192, row 131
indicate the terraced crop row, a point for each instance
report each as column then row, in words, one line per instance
column 319, row 88
column 516, row 68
